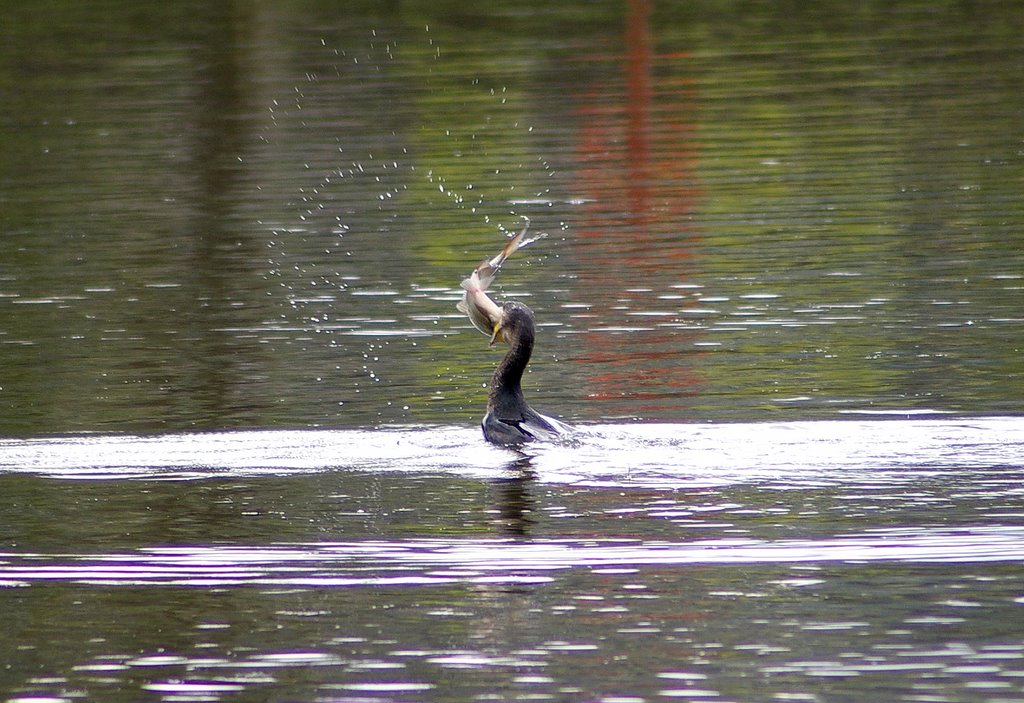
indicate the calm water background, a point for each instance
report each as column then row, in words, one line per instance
column 782, row 295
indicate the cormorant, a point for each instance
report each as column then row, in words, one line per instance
column 509, row 420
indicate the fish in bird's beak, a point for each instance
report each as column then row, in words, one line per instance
column 499, row 332
column 483, row 312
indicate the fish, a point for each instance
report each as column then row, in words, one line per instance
column 483, row 312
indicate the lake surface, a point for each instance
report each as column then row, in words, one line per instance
column 780, row 298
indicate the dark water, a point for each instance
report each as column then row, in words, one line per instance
column 781, row 296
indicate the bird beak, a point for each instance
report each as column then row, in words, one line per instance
column 497, row 334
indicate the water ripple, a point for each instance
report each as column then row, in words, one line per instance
column 438, row 562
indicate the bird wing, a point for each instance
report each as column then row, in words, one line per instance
column 529, row 427
column 544, row 427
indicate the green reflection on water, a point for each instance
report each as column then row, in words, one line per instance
column 235, row 217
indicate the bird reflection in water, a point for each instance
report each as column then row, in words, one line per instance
column 509, row 421
column 513, row 501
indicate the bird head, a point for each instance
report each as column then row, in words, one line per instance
column 512, row 320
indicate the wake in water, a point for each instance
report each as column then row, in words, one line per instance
column 781, row 454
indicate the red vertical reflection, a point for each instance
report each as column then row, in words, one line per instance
column 637, row 180
column 638, row 105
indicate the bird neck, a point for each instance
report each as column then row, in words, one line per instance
column 507, row 382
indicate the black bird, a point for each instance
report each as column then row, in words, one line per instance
column 509, row 420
